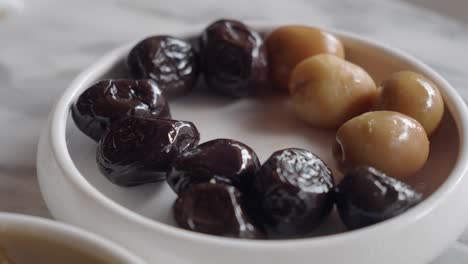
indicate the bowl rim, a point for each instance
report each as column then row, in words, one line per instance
column 452, row 99
column 71, row 234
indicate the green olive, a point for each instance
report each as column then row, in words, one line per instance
column 327, row 90
column 392, row 142
column 414, row 95
column 289, row 45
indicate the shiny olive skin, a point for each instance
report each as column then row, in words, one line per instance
column 234, row 59
column 367, row 196
column 294, row 189
column 109, row 100
column 215, row 209
column 137, row 150
column 327, row 91
column 289, row 45
column 220, row 160
column 414, row 95
column 389, row 141
column 173, row 63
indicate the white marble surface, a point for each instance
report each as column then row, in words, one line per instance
column 45, row 43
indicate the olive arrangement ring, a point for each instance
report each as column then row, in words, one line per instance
column 382, row 133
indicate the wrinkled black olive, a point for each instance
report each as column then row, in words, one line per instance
column 220, row 160
column 214, row 209
column 234, row 59
column 295, row 191
column 367, row 196
column 139, row 150
column 169, row 61
column 110, row 100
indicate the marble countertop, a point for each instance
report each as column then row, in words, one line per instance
column 44, row 44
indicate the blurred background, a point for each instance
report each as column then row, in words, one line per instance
column 452, row 8
column 45, row 43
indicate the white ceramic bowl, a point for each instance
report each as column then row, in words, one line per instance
column 66, row 236
column 141, row 218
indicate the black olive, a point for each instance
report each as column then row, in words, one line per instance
column 367, row 196
column 137, row 150
column 110, row 100
column 294, row 189
column 219, row 160
column 171, row 62
column 215, row 209
column 234, row 59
